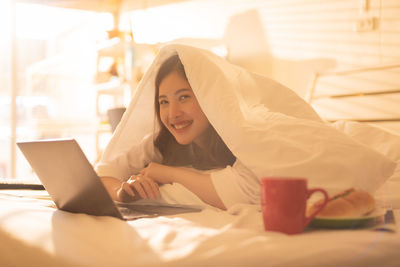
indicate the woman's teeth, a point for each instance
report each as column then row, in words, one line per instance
column 181, row 125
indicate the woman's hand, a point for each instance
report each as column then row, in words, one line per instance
column 145, row 185
column 136, row 187
column 159, row 173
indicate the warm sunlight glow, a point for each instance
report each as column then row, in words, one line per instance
column 43, row 22
column 169, row 22
column 52, row 84
column 5, row 19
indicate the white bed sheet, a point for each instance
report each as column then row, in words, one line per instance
column 33, row 234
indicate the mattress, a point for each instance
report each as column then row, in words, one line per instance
column 34, row 233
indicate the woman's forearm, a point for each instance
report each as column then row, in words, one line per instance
column 112, row 185
column 199, row 183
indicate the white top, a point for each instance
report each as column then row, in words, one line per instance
column 236, row 184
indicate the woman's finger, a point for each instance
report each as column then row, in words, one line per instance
column 126, row 187
column 147, row 185
column 137, row 185
column 155, row 188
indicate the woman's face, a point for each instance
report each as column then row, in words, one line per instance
column 179, row 110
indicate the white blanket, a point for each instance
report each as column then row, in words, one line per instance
column 270, row 129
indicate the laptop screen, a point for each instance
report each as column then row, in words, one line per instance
column 68, row 176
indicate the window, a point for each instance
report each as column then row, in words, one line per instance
column 52, row 84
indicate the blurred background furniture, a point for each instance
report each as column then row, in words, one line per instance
column 114, row 116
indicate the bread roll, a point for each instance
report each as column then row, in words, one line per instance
column 350, row 203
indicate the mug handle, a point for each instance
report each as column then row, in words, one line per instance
column 309, row 193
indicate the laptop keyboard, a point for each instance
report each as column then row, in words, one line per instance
column 134, row 214
column 145, row 211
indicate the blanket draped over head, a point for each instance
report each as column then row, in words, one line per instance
column 268, row 127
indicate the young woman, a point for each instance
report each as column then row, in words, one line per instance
column 185, row 139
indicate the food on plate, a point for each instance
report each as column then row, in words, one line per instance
column 350, row 203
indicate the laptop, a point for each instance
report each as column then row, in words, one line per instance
column 74, row 186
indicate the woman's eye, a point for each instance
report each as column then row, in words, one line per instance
column 163, row 102
column 183, row 97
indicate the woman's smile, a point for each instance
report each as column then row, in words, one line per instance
column 182, row 125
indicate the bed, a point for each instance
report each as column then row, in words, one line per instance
column 33, row 232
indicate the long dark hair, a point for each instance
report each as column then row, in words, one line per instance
column 214, row 154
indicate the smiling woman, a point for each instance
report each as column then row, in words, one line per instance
column 185, row 139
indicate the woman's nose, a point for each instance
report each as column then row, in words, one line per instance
column 174, row 110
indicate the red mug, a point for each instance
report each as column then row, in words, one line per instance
column 284, row 200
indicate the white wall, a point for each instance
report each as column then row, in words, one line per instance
column 288, row 40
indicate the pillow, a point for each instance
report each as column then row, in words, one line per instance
column 376, row 138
